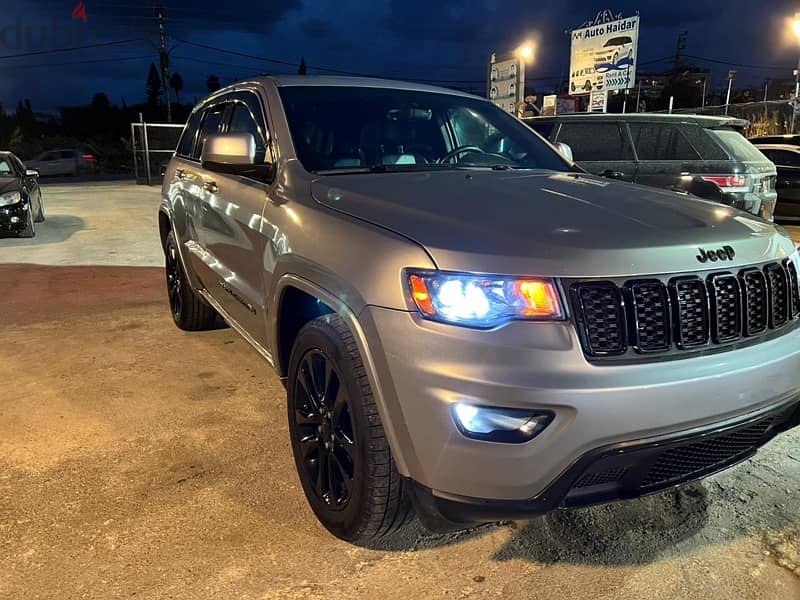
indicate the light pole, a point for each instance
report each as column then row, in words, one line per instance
column 796, row 29
column 731, row 77
column 525, row 53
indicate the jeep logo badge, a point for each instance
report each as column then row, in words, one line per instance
column 724, row 253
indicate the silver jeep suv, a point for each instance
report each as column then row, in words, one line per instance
column 468, row 326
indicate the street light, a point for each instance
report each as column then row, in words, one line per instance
column 525, row 51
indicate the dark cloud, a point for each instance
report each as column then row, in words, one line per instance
column 447, row 40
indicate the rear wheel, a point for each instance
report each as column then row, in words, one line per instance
column 189, row 311
column 339, row 445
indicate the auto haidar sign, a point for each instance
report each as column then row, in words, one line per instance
column 604, row 56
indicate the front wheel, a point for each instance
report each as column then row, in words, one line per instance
column 339, row 445
column 30, row 228
column 41, row 215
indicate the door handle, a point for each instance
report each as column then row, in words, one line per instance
column 211, row 187
column 612, row 174
column 180, row 173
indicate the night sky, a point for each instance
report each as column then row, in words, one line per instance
column 443, row 40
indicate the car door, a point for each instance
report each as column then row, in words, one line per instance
column 184, row 181
column 44, row 163
column 600, row 147
column 788, row 183
column 232, row 214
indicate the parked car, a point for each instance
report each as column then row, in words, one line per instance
column 64, row 162
column 21, row 203
column 792, row 139
column 787, row 160
column 704, row 156
column 469, row 327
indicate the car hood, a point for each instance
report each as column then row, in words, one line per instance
column 545, row 223
column 9, row 184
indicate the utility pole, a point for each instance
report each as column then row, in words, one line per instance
column 160, row 15
column 680, row 46
column 731, row 77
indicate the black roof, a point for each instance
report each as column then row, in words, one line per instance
column 702, row 120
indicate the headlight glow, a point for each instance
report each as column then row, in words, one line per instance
column 10, row 198
column 483, row 301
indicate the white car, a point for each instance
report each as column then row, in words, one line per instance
column 64, row 162
column 614, row 50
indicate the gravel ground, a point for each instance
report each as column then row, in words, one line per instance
column 140, row 461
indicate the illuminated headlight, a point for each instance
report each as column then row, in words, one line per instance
column 502, row 425
column 483, row 301
column 10, row 198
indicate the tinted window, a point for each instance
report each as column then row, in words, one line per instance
column 783, row 158
column 660, row 141
column 6, row 170
column 243, row 121
column 737, row 145
column 364, row 127
column 67, row 154
column 189, row 134
column 596, row 142
column 211, row 125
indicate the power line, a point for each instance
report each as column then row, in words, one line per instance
column 735, row 64
column 72, row 49
column 79, row 62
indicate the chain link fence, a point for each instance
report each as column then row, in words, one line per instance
column 153, row 146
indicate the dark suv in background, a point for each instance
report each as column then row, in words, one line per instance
column 705, row 156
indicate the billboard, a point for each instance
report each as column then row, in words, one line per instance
column 507, row 83
column 603, row 56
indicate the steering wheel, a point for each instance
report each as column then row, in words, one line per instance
column 459, row 151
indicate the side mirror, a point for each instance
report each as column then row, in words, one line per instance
column 565, row 151
column 233, row 153
column 31, row 173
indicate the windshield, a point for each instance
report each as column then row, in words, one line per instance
column 737, row 145
column 347, row 129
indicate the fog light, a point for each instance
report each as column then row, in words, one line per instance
column 15, row 220
column 504, row 425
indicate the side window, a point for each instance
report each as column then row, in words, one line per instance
column 659, row 141
column 783, row 158
column 5, row 167
column 596, row 142
column 703, row 142
column 211, row 125
column 66, row 154
column 189, row 134
column 243, row 121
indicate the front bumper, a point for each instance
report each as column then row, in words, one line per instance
column 627, row 470
column 423, row 368
column 14, row 218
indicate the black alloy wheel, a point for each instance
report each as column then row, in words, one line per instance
column 324, row 430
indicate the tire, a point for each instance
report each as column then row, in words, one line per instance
column 189, row 311
column 361, row 496
column 30, row 229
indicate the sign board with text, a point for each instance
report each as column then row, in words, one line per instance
column 603, row 56
column 507, row 83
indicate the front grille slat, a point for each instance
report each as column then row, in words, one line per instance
column 778, row 285
column 656, row 315
column 794, row 287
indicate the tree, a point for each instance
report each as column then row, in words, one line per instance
column 153, row 87
column 176, row 83
column 212, row 83
column 302, row 69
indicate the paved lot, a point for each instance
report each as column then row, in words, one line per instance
column 140, row 461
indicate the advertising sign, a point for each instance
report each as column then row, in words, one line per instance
column 549, row 105
column 604, row 56
column 507, row 83
column 598, row 102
